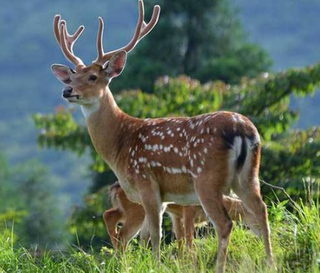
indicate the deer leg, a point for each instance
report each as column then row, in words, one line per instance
column 151, row 202
column 252, row 201
column 211, row 200
column 189, row 214
column 111, row 218
column 178, row 230
column 144, row 233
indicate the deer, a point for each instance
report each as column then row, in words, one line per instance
column 184, row 219
column 182, row 160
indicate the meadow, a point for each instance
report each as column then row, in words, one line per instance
column 295, row 239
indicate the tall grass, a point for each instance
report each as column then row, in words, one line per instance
column 295, row 239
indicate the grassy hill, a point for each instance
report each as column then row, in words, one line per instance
column 295, row 239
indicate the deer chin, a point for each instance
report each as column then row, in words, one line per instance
column 73, row 99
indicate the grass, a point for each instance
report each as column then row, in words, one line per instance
column 295, row 239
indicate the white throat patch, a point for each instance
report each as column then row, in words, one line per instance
column 89, row 109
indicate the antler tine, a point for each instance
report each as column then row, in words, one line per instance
column 69, row 55
column 100, row 41
column 142, row 29
column 71, row 39
column 65, row 40
column 56, row 27
column 146, row 28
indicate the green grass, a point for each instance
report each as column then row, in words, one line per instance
column 295, row 239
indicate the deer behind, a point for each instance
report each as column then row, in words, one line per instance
column 188, row 161
column 184, row 218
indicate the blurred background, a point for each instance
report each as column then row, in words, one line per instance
column 259, row 58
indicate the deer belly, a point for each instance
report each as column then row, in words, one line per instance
column 189, row 198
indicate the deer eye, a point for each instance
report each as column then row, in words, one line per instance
column 92, row 78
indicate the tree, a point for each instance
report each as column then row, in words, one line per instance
column 27, row 204
column 202, row 40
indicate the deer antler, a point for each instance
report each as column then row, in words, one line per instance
column 65, row 40
column 142, row 29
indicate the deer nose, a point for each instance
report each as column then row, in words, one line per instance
column 67, row 92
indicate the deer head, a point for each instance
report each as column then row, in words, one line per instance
column 85, row 84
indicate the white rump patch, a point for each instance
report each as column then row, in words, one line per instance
column 237, row 143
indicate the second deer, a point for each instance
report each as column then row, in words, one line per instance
column 184, row 218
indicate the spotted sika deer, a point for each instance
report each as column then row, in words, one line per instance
column 179, row 160
column 184, row 218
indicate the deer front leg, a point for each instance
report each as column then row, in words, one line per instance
column 144, row 233
column 111, row 218
column 151, row 202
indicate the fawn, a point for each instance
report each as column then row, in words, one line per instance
column 184, row 218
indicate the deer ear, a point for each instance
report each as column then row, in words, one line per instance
column 62, row 72
column 116, row 64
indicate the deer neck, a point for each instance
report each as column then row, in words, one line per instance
column 107, row 125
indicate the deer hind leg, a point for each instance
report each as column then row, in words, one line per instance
column 111, row 218
column 252, row 201
column 247, row 187
column 211, row 200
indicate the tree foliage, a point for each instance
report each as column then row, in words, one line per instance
column 27, row 204
column 204, row 41
column 264, row 99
